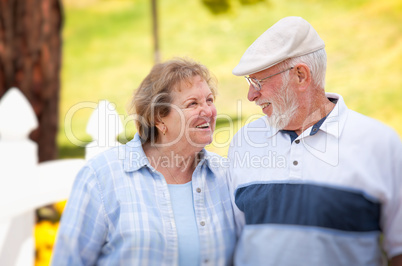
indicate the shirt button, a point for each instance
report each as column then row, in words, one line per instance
column 198, row 190
column 202, row 223
column 297, row 141
column 206, row 261
column 295, row 162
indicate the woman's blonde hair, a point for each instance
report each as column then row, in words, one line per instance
column 152, row 100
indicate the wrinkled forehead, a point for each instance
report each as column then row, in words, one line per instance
column 189, row 82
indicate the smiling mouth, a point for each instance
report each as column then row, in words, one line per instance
column 265, row 105
column 205, row 125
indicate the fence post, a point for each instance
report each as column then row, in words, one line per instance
column 18, row 160
column 25, row 185
column 103, row 126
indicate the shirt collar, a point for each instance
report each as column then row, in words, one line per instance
column 335, row 121
column 272, row 131
column 134, row 157
column 333, row 124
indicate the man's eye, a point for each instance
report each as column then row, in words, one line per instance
column 210, row 100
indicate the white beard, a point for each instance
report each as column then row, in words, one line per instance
column 284, row 107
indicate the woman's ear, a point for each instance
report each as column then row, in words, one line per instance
column 161, row 126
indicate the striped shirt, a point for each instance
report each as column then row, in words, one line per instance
column 323, row 199
column 120, row 213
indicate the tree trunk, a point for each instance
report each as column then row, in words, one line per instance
column 155, row 31
column 30, row 59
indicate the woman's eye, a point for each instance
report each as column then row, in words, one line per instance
column 210, row 100
column 192, row 104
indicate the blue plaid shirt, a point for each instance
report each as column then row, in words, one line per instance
column 119, row 213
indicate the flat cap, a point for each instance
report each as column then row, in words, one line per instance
column 289, row 37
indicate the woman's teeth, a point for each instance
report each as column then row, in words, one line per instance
column 205, row 125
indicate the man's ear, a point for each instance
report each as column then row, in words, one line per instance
column 303, row 76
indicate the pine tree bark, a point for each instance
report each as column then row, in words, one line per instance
column 30, row 59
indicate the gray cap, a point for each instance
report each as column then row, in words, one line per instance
column 289, row 37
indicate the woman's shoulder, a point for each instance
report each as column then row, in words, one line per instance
column 119, row 158
column 118, row 154
column 105, row 157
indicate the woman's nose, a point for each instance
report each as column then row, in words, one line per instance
column 206, row 110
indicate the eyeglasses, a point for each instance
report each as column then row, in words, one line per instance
column 256, row 83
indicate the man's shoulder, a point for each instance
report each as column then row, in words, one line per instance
column 257, row 127
column 255, row 134
column 371, row 133
column 368, row 125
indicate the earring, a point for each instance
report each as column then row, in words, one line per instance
column 163, row 128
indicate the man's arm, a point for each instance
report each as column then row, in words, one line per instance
column 393, row 215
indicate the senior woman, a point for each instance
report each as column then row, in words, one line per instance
column 161, row 199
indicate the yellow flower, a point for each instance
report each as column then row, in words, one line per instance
column 59, row 206
column 45, row 234
column 45, row 237
column 43, row 256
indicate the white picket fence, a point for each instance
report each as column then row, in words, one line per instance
column 26, row 185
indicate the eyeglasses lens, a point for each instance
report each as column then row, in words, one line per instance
column 254, row 82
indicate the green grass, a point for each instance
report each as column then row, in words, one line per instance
column 107, row 51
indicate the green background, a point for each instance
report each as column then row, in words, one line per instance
column 108, row 50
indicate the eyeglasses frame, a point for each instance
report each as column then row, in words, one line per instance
column 252, row 81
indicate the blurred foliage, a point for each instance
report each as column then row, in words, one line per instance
column 71, row 151
column 217, row 6
column 107, row 51
column 224, row 6
column 250, row 2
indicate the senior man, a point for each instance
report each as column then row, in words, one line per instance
column 314, row 183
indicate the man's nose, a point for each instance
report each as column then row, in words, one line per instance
column 252, row 93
